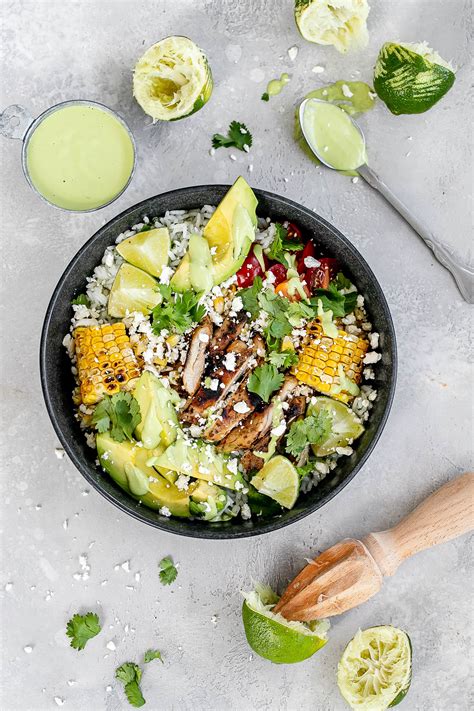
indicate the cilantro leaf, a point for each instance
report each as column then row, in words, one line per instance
column 177, row 312
column 81, row 300
column 265, row 96
column 168, row 570
column 341, row 281
column 238, row 136
column 120, row 414
column 264, row 381
column 312, row 430
column 81, row 628
column 284, row 360
column 152, row 654
column 306, row 469
column 282, row 244
column 130, row 675
column 249, row 297
column 146, row 228
column 333, row 300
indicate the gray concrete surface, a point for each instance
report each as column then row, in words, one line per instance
column 57, row 50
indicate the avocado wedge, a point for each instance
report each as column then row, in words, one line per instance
column 159, row 423
column 126, row 462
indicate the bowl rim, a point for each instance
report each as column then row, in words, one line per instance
column 208, row 532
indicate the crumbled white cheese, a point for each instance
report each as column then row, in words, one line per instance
column 237, row 304
column 203, row 470
column 279, row 430
column 28, row 649
column 346, row 91
column 164, row 511
column 238, row 486
column 318, row 69
column 374, row 340
column 230, row 362
column 293, row 53
column 59, row 452
column 166, row 274
column 347, row 451
column 111, row 645
column 241, row 407
column 245, row 512
column 232, row 465
column 311, row 262
column 371, row 357
column 204, row 337
column 182, row 482
column 360, row 301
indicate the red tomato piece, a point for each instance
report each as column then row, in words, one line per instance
column 279, row 272
column 308, row 251
column 293, row 232
column 248, row 271
column 319, row 277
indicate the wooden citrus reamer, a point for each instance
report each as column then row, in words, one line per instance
column 352, row 571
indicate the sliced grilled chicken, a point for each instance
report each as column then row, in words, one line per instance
column 196, row 358
column 259, row 424
column 227, row 332
column 206, row 398
column 230, row 417
column 249, row 460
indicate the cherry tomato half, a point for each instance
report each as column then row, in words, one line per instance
column 308, row 251
column 293, row 232
column 279, row 272
column 248, row 271
column 319, row 277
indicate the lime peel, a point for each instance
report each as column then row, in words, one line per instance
column 374, row 672
column 272, row 636
column 341, row 23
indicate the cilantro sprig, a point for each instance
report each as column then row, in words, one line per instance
column 81, row 300
column 168, row 570
column 312, row 430
column 264, row 380
column 282, row 244
column 283, row 360
column 334, row 300
column 152, row 654
column 130, row 675
column 120, row 414
column 238, row 136
column 177, row 312
column 82, row 628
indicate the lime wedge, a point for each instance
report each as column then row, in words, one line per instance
column 341, row 23
column 410, row 78
column 279, row 480
column 375, row 670
column 172, row 79
column 132, row 290
column 147, row 250
column 272, row 636
column 345, row 427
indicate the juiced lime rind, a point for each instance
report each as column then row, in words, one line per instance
column 341, row 23
column 411, row 78
column 374, row 672
column 273, row 637
column 345, row 428
column 172, row 79
column 279, row 480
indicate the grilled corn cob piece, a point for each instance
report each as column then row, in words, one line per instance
column 321, row 357
column 106, row 362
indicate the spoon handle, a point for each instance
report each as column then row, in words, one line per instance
column 463, row 274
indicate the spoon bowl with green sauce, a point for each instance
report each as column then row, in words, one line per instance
column 78, row 156
column 338, row 142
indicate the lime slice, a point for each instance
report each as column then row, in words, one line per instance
column 410, row 78
column 172, row 79
column 147, row 250
column 341, row 23
column 279, row 480
column 273, row 637
column 375, row 670
column 132, row 290
column 345, row 427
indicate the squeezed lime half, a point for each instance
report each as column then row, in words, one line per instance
column 273, row 637
column 172, row 79
column 345, row 427
column 374, row 672
column 279, row 480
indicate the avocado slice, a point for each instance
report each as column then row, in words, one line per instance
column 159, row 423
column 147, row 250
column 201, row 462
column 200, row 262
column 229, row 234
column 231, row 229
column 181, row 279
column 206, row 500
column 126, row 463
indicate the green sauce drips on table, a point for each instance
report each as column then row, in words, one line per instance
column 275, row 86
column 80, row 157
column 331, row 133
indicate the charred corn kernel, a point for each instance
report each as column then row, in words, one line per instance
column 106, row 362
column 322, row 356
column 173, row 340
column 219, row 304
column 287, row 344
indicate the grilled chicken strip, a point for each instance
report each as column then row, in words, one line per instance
column 206, row 398
column 230, row 418
column 196, row 358
column 249, row 460
column 227, row 332
column 259, row 424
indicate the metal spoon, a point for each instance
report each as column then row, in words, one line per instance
column 463, row 273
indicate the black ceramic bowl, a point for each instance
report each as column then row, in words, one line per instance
column 57, row 381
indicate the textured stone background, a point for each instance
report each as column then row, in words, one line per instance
column 57, row 50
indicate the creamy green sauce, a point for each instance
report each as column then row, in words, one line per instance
column 362, row 99
column 80, row 157
column 275, row 86
column 333, row 136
